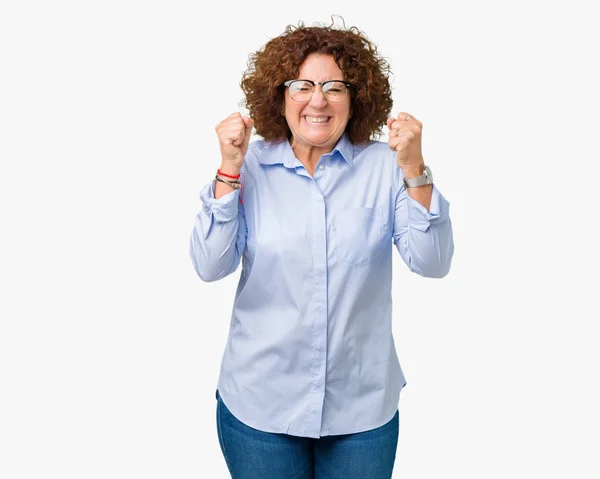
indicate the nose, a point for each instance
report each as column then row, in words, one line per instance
column 318, row 98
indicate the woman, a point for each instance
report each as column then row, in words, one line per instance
column 310, row 380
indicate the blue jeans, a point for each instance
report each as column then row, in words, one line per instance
column 253, row 454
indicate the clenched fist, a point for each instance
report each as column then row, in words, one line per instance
column 234, row 135
column 405, row 139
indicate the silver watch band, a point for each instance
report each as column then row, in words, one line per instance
column 425, row 179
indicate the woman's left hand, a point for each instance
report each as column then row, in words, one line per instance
column 405, row 139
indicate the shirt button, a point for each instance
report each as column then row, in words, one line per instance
column 321, row 167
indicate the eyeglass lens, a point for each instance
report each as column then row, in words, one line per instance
column 302, row 90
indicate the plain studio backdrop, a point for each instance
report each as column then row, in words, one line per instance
column 110, row 345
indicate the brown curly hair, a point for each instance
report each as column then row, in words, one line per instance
column 281, row 59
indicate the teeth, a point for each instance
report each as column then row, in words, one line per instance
column 317, row 120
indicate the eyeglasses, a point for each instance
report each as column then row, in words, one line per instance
column 302, row 90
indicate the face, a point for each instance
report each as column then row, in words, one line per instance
column 317, row 67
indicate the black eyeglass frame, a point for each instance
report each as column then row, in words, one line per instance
column 314, row 84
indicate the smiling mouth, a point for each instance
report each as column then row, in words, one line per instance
column 317, row 120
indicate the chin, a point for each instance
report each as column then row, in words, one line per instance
column 320, row 135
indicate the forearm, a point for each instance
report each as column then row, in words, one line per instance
column 428, row 253
column 213, row 248
column 424, row 237
column 221, row 189
column 219, row 234
column 421, row 194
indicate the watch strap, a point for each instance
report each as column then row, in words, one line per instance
column 425, row 179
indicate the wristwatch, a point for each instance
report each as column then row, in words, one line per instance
column 425, row 179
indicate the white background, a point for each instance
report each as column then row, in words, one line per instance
column 110, row 345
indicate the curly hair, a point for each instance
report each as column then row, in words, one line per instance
column 280, row 60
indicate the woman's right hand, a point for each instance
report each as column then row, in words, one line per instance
column 234, row 135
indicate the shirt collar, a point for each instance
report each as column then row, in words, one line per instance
column 282, row 153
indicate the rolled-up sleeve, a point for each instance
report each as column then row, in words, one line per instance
column 424, row 238
column 218, row 238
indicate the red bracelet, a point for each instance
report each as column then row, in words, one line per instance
column 228, row 176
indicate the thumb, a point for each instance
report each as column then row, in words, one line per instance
column 390, row 121
column 249, row 122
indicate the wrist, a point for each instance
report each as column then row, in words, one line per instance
column 426, row 178
column 229, row 169
column 413, row 171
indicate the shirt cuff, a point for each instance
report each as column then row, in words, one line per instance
column 420, row 218
column 223, row 209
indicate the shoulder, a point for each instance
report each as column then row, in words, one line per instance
column 377, row 156
column 256, row 150
column 373, row 146
column 374, row 152
column 257, row 147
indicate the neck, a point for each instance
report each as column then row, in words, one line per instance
column 307, row 154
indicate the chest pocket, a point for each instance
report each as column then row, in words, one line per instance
column 359, row 235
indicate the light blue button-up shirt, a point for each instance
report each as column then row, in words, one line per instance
column 310, row 350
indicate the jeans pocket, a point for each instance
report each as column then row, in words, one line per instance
column 359, row 235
